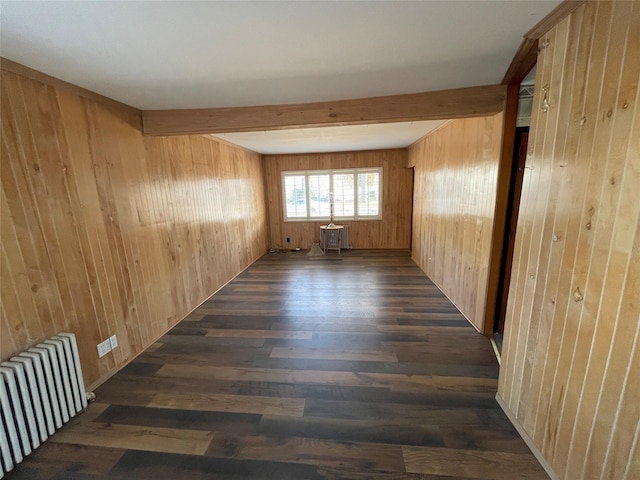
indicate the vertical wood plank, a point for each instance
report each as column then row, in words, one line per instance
column 453, row 207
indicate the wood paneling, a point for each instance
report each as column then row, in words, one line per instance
column 456, row 168
column 438, row 105
column 107, row 232
column 393, row 231
column 571, row 351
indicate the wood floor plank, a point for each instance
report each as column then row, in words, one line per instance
column 335, row 354
column 133, row 437
column 142, row 465
column 465, row 384
column 354, row 430
column 471, row 463
column 356, row 456
column 333, row 340
column 57, row 459
column 212, row 332
column 229, row 403
column 245, row 423
column 393, row 414
column 239, row 357
column 424, row 330
column 180, row 336
column 488, row 439
column 338, row 474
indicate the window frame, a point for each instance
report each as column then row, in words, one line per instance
column 354, row 171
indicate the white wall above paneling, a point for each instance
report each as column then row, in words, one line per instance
column 332, row 139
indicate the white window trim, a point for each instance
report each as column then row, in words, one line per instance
column 330, row 172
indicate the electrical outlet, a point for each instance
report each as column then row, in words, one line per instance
column 104, row 348
column 114, row 341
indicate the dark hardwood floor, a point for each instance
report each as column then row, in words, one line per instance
column 341, row 367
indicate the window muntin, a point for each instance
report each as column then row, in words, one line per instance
column 356, row 193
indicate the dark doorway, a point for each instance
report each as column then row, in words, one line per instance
column 517, row 172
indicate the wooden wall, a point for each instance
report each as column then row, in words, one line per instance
column 107, row 232
column 455, row 182
column 570, row 373
column 393, row 231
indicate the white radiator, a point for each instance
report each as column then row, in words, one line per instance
column 332, row 238
column 40, row 390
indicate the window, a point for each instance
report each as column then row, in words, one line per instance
column 356, row 194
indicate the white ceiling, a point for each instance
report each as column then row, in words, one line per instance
column 332, row 139
column 183, row 54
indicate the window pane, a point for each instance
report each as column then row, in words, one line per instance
column 369, row 194
column 355, row 193
column 343, row 191
column 319, row 205
column 296, row 196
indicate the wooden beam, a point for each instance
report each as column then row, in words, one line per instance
column 438, row 105
column 553, row 18
column 522, row 63
column 24, row 71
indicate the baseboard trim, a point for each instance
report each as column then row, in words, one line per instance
column 496, row 350
column 527, row 439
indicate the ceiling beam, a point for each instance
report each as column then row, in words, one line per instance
column 438, row 105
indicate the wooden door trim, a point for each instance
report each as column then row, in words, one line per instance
column 522, row 63
column 502, row 197
column 519, row 159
